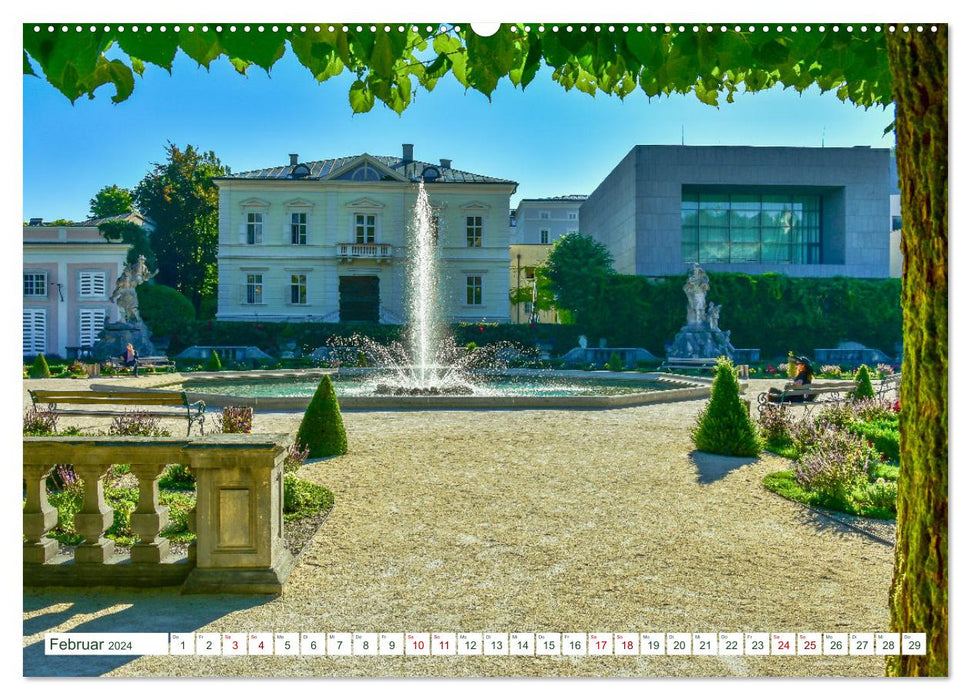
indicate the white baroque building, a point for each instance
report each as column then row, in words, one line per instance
column 328, row 240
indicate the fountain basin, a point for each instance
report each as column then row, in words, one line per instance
column 512, row 389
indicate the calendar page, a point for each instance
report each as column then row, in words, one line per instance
column 392, row 349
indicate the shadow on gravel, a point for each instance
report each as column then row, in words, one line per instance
column 712, row 468
column 161, row 610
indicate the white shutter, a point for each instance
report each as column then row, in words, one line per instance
column 286, row 230
column 91, row 284
column 91, row 323
column 35, row 331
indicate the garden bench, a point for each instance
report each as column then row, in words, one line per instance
column 155, row 362
column 816, row 393
column 888, row 386
column 194, row 412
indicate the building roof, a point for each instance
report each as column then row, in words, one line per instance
column 132, row 216
column 561, row 198
column 331, row 169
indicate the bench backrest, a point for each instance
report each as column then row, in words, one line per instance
column 110, row 398
column 821, row 388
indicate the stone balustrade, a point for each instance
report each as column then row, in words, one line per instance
column 238, row 518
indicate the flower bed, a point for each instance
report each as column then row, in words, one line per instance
column 846, row 458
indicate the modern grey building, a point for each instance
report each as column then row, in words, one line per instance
column 803, row 212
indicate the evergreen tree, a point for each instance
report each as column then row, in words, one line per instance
column 322, row 428
column 214, row 365
column 39, row 368
column 864, row 389
column 724, row 426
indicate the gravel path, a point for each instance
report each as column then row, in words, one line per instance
column 526, row 521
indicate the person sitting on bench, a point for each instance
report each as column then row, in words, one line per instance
column 130, row 359
column 803, row 378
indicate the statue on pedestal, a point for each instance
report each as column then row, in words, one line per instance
column 696, row 288
column 124, row 294
column 130, row 329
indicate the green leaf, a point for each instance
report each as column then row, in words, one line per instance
column 361, row 98
column 772, row 53
column 152, row 47
column 318, row 52
column 201, row 47
column 260, row 48
column 116, row 73
column 382, row 60
column 240, row 65
column 137, row 65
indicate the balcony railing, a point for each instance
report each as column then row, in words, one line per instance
column 238, row 518
column 367, row 251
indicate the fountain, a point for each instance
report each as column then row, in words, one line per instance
column 429, row 370
column 429, row 363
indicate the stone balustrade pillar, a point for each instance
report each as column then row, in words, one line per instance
column 39, row 515
column 149, row 518
column 94, row 517
column 239, row 514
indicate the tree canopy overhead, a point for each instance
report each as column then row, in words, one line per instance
column 392, row 61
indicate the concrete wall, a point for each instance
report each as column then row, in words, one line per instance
column 636, row 211
column 609, row 214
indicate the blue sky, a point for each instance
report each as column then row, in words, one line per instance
column 551, row 141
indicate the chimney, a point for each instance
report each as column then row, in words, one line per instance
column 446, row 162
column 294, row 159
column 36, row 222
column 407, row 152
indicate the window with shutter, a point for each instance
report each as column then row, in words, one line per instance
column 91, row 285
column 91, row 323
column 35, row 331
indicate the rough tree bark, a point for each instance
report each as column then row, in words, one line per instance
column 918, row 593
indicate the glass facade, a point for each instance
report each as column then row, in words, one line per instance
column 751, row 228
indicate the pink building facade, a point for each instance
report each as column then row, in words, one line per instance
column 69, row 273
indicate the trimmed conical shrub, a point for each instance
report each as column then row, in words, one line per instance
column 322, row 428
column 614, row 364
column 214, row 365
column 724, row 426
column 39, row 369
column 864, row 389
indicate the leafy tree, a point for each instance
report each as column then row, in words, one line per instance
column 322, row 428
column 883, row 66
column 60, row 222
column 166, row 311
column 135, row 236
column 180, row 198
column 110, row 201
column 724, row 427
column 578, row 267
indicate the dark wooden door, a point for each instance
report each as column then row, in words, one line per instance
column 360, row 297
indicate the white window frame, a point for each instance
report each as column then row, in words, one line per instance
column 254, row 228
column 364, row 226
column 295, row 286
column 35, row 331
column 471, row 228
column 544, row 215
column 39, row 282
column 250, row 281
column 291, row 224
column 544, row 236
column 90, row 329
column 92, row 279
column 571, row 215
column 471, row 287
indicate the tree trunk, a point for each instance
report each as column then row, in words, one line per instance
column 918, row 593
